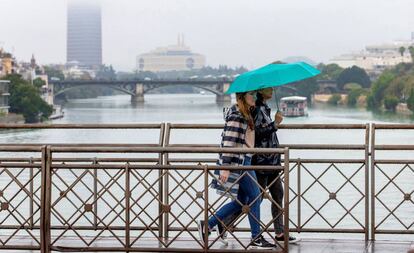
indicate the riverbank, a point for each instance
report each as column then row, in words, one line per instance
column 401, row 108
column 12, row 118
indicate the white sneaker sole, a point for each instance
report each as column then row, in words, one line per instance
column 221, row 239
column 257, row 247
column 290, row 242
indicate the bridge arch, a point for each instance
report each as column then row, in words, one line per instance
column 114, row 87
column 209, row 89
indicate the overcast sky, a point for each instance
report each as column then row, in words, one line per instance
column 232, row 32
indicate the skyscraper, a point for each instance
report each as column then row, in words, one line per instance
column 84, row 33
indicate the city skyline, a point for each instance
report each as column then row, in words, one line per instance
column 258, row 34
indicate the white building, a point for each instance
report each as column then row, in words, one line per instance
column 4, row 97
column 47, row 89
column 375, row 58
column 175, row 57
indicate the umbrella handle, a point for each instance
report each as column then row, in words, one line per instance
column 276, row 99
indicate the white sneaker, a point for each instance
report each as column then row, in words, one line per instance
column 222, row 234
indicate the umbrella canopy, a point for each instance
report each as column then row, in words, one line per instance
column 272, row 75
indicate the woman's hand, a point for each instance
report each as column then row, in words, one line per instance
column 224, row 175
column 278, row 117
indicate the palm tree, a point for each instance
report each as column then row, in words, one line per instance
column 411, row 50
column 402, row 51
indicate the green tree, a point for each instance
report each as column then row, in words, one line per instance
column 329, row 71
column 306, row 88
column 353, row 96
column 353, row 75
column 402, row 51
column 378, row 90
column 334, row 99
column 38, row 83
column 52, row 72
column 411, row 50
column 410, row 101
column 25, row 99
column 391, row 102
column 106, row 73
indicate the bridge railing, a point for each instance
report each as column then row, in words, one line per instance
column 132, row 201
column 315, row 157
column 22, row 189
column 392, row 177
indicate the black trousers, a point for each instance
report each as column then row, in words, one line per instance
column 276, row 192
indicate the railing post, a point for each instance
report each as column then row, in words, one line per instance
column 373, row 181
column 205, row 239
column 31, row 194
column 161, row 194
column 367, row 128
column 299, row 196
column 166, row 180
column 45, row 201
column 42, row 199
column 95, row 194
column 286, row 200
column 127, row 207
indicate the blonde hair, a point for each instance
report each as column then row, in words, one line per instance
column 244, row 108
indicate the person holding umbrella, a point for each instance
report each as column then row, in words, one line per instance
column 266, row 137
column 264, row 80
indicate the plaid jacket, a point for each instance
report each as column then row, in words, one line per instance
column 233, row 136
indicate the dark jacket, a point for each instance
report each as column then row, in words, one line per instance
column 265, row 135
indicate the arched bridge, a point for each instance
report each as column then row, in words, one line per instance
column 137, row 88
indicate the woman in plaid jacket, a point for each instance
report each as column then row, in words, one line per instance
column 239, row 132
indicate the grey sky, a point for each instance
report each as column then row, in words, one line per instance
column 232, row 32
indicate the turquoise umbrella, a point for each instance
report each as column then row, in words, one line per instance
column 272, row 75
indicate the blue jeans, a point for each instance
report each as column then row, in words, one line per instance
column 248, row 191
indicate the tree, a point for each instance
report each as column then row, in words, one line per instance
column 25, row 99
column 402, row 51
column 391, row 102
column 329, row 71
column 378, row 90
column 38, row 83
column 335, row 99
column 410, row 101
column 106, row 73
column 411, row 50
column 306, row 88
column 353, row 96
column 353, row 75
column 52, row 72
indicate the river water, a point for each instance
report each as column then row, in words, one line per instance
column 197, row 108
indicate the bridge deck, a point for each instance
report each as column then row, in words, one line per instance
column 305, row 245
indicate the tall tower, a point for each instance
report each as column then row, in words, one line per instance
column 84, row 33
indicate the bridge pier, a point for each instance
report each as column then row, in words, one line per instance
column 139, row 94
column 223, row 98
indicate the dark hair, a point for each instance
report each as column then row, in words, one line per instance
column 259, row 98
